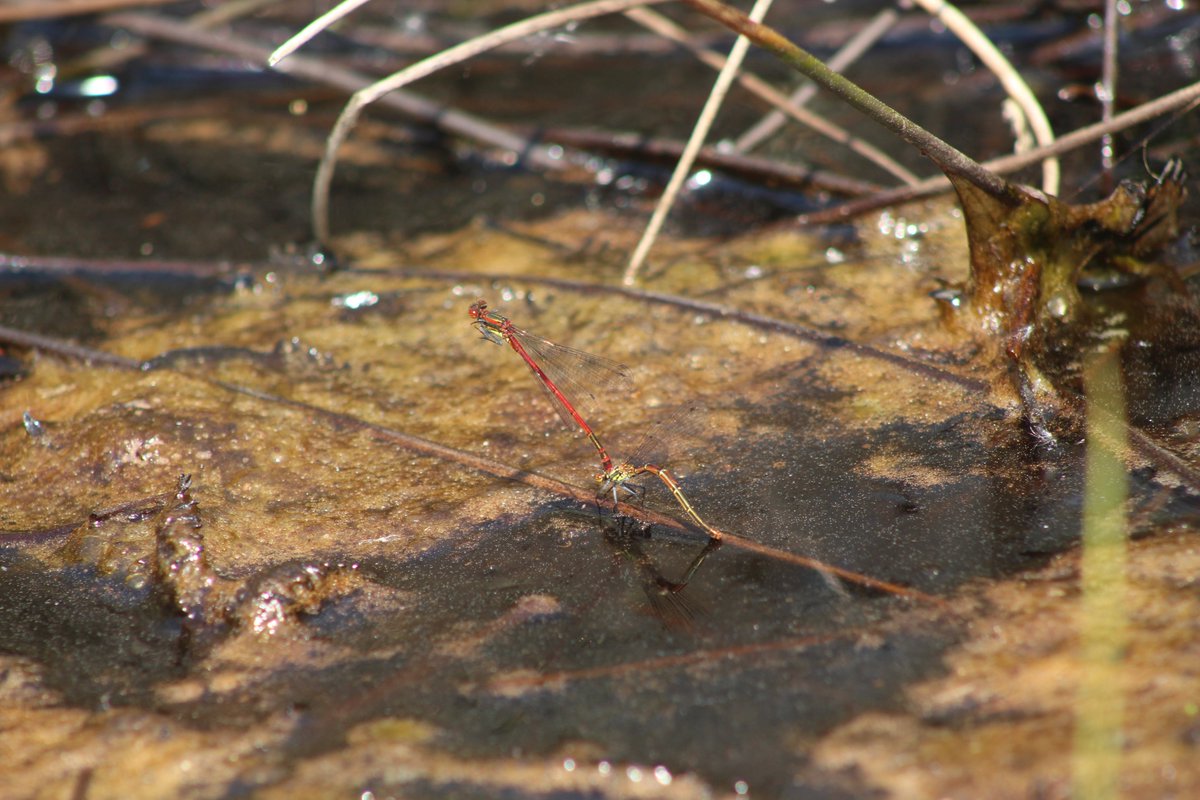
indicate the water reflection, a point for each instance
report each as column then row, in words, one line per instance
column 669, row 601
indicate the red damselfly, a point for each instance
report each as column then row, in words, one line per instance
column 560, row 370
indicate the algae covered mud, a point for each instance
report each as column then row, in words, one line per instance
column 323, row 607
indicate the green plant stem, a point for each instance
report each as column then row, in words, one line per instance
column 949, row 159
column 1099, row 729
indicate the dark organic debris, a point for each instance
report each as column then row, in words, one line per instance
column 189, row 586
column 182, row 573
column 1028, row 256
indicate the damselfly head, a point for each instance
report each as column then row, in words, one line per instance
column 483, row 323
column 487, row 333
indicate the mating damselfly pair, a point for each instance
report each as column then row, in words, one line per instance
column 564, row 372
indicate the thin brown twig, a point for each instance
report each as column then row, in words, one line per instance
column 49, row 344
column 554, row 486
column 751, row 167
column 733, row 540
column 443, row 452
column 1186, row 98
column 20, row 10
column 712, row 310
column 697, row 658
column 107, row 57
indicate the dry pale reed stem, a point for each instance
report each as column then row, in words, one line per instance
column 695, row 142
column 313, row 28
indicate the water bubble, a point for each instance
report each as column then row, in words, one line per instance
column 33, row 426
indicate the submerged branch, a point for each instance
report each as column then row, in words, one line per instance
column 48, row 9
column 713, row 310
column 433, row 449
column 18, row 264
column 525, row 680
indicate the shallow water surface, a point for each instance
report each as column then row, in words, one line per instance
column 334, row 607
